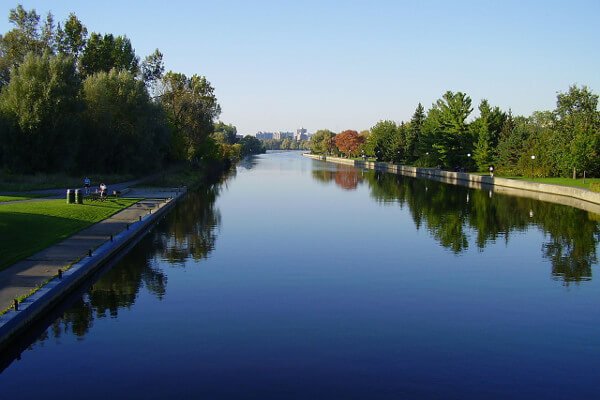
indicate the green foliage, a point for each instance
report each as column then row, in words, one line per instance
column 41, row 109
column 595, row 187
column 191, row 107
column 413, row 135
column 251, row 145
column 322, row 142
column 125, row 131
column 385, row 141
column 105, row 52
column 224, row 133
column 446, row 131
column 71, row 39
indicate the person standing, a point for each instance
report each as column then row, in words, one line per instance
column 86, row 185
column 492, row 171
column 102, row 191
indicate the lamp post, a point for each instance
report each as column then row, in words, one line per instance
column 532, row 160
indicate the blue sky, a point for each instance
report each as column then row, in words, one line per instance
column 279, row 65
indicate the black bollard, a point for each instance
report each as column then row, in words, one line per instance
column 60, row 274
column 127, row 226
column 111, row 238
column 16, row 304
column 89, row 252
column 140, row 217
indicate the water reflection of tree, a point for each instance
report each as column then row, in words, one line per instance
column 189, row 231
column 344, row 176
column 454, row 214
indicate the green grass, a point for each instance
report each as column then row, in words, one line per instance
column 26, row 228
column 19, row 197
column 558, row 181
column 22, row 183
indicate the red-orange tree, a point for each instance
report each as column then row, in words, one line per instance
column 349, row 142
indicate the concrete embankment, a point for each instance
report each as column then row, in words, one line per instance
column 104, row 240
column 570, row 196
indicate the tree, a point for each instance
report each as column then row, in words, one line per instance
column 251, row 145
column 153, row 68
column 413, row 134
column 191, row 107
column 486, row 131
column 384, row 140
column 224, row 133
column 322, row 142
column 105, row 52
column 41, row 106
column 71, row 39
column 349, row 142
column 26, row 36
column 446, row 130
column 125, row 130
column 578, row 127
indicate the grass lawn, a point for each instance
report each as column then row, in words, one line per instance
column 26, row 228
column 558, row 181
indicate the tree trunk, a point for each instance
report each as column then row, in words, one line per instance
column 574, row 173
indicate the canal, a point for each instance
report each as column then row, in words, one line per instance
column 293, row 278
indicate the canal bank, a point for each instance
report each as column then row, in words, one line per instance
column 61, row 267
column 565, row 195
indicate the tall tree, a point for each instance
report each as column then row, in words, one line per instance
column 125, row 131
column 192, row 107
column 41, row 106
column 26, row 36
column 413, row 134
column 578, row 124
column 105, row 52
column 486, row 132
column 71, row 39
column 448, row 130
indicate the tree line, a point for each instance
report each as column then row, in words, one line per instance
column 72, row 101
column 561, row 142
column 285, row 144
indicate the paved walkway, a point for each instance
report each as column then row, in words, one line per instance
column 20, row 278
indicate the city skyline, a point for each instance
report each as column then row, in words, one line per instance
column 337, row 66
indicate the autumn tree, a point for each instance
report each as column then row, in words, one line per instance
column 349, row 142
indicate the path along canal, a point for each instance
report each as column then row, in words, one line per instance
column 295, row 278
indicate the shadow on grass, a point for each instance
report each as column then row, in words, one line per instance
column 24, row 234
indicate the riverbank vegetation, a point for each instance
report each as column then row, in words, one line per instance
column 78, row 103
column 564, row 142
column 28, row 227
column 286, row 144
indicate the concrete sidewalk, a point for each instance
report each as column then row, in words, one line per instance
column 20, row 278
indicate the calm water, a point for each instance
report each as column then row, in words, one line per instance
column 299, row 279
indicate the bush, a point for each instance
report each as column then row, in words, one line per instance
column 595, row 187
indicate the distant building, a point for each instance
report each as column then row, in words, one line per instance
column 264, row 135
column 279, row 135
column 301, row 134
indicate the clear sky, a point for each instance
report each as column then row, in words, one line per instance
column 280, row 65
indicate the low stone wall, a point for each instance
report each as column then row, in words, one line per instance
column 479, row 181
column 32, row 308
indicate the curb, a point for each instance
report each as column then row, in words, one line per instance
column 14, row 322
